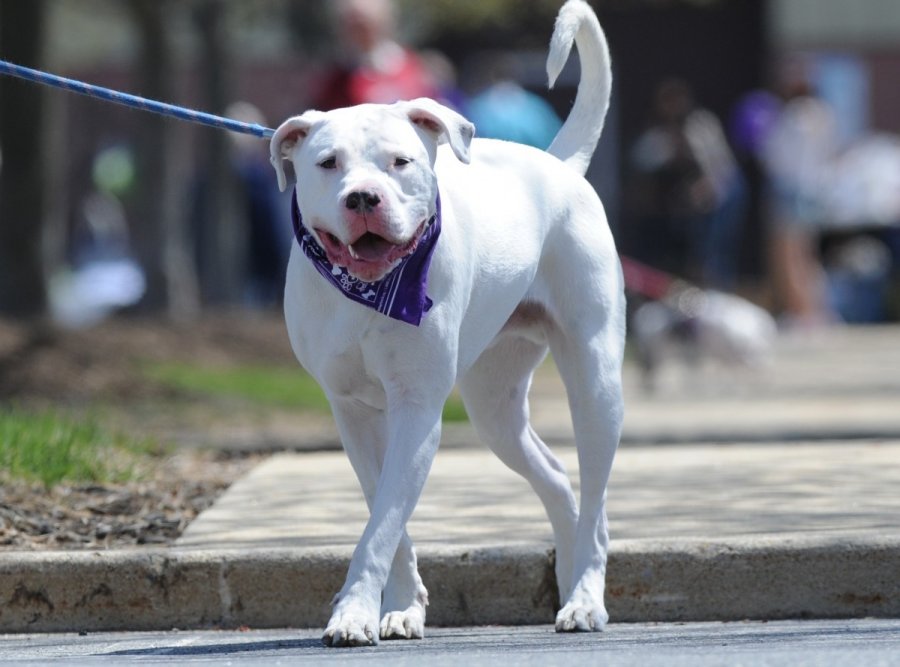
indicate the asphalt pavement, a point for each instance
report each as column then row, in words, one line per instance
column 870, row 642
column 735, row 495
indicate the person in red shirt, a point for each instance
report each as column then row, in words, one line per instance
column 377, row 69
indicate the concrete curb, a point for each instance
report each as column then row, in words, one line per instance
column 669, row 580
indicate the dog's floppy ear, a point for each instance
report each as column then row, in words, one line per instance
column 286, row 137
column 443, row 123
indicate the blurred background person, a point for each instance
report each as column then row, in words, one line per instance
column 503, row 109
column 268, row 238
column 375, row 66
column 861, row 247
column 444, row 79
column 102, row 275
column 797, row 155
column 691, row 193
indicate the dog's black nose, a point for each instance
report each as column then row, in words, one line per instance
column 362, row 201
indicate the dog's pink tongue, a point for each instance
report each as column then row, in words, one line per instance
column 372, row 248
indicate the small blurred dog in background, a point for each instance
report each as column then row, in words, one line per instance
column 696, row 325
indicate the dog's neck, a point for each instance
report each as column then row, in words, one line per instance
column 400, row 294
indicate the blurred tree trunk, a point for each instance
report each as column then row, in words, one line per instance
column 222, row 238
column 157, row 158
column 22, row 280
column 161, row 240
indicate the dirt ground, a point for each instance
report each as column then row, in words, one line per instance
column 45, row 367
column 154, row 511
column 41, row 363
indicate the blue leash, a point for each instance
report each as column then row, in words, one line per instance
column 134, row 101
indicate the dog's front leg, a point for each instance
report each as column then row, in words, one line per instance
column 363, row 432
column 413, row 433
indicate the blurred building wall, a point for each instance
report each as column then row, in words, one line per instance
column 867, row 30
column 855, row 23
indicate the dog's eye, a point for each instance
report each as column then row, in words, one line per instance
column 328, row 163
column 401, row 161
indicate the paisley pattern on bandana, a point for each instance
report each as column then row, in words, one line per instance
column 400, row 294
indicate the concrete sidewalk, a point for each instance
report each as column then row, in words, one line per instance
column 472, row 501
column 699, row 532
column 792, row 520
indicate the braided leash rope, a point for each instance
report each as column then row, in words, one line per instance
column 134, row 101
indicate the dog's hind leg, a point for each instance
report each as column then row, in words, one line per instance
column 587, row 346
column 363, row 433
column 495, row 393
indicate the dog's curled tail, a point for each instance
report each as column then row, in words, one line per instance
column 576, row 140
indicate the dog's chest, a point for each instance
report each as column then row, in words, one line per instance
column 339, row 365
column 327, row 334
column 345, row 377
column 343, row 373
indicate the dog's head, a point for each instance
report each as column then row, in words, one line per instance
column 365, row 177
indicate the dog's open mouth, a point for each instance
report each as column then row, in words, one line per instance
column 370, row 256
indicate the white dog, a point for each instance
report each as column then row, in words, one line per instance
column 518, row 258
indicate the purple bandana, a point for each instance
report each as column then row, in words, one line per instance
column 400, row 294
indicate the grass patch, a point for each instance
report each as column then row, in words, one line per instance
column 50, row 448
column 454, row 411
column 274, row 387
column 261, row 385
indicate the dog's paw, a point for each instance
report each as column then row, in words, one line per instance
column 581, row 618
column 409, row 624
column 351, row 629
